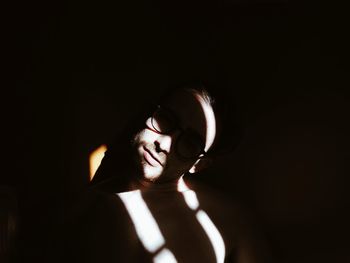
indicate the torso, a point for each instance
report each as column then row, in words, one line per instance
column 190, row 227
column 187, row 231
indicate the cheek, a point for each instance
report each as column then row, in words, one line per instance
column 149, row 136
column 145, row 136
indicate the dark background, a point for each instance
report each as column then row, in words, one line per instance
column 74, row 72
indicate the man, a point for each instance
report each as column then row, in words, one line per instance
column 150, row 213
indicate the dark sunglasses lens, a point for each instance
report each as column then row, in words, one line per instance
column 189, row 146
column 163, row 122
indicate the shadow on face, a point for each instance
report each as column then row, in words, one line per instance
column 174, row 141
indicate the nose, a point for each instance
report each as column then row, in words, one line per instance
column 163, row 143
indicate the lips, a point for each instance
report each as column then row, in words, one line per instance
column 150, row 158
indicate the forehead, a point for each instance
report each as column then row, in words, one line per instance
column 194, row 113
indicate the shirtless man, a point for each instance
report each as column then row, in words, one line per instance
column 157, row 216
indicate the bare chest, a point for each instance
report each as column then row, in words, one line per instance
column 169, row 229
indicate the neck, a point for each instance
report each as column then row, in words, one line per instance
column 177, row 185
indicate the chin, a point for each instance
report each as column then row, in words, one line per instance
column 150, row 179
column 151, row 174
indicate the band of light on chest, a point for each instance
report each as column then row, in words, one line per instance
column 150, row 235
column 146, row 226
column 207, row 224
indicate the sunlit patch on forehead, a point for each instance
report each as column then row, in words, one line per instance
column 210, row 121
column 193, row 110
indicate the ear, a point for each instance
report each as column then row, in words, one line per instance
column 200, row 164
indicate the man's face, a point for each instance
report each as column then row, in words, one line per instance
column 180, row 131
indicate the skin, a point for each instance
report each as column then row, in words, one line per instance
column 159, row 172
column 194, row 113
column 156, row 159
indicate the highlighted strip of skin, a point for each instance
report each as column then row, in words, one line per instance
column 181, row 185
column 211, row 122
column 146, row 226
column 191, row 199
column 207, row 224
column 164, row 256
column 213, row 234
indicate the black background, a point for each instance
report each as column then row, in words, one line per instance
column 74, row 72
